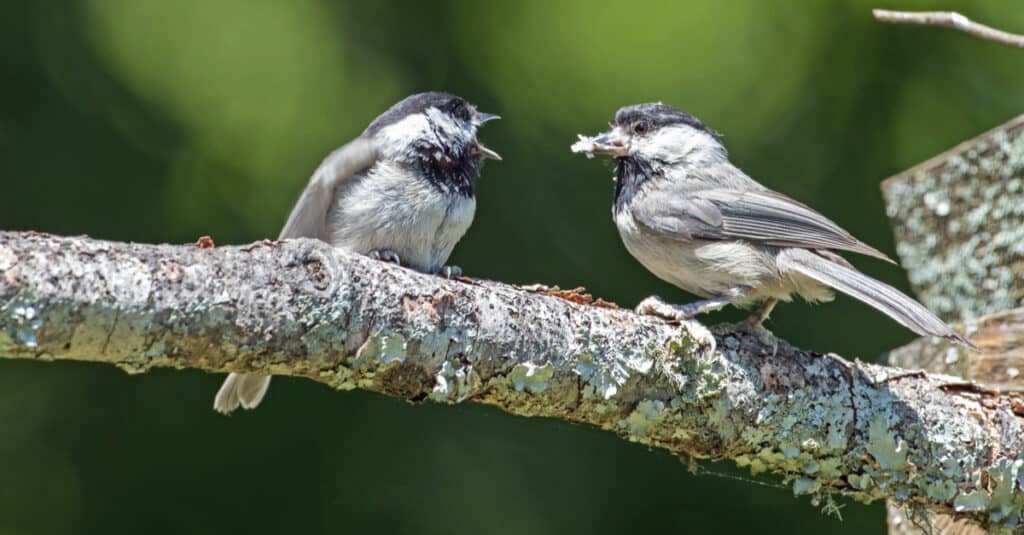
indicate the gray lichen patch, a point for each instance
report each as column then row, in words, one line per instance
column 7, row 260
column 23, row 322
column 1003, row 500
column 959, row 223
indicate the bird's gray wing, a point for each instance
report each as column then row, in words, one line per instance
column 309, row 216
column 759, row 216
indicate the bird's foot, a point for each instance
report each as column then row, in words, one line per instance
column 385, row 255
column 654, row 306
column 756, row 324
column 451, row 272
column 757, row 318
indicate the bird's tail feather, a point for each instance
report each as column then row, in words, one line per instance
column 884, row 298
column 240, row 389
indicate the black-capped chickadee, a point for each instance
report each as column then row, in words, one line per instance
column 402, row 192
column 697, row 221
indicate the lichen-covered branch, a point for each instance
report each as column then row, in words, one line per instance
column 950, row 19
column 303, row 309
column 959, row 222
column 1001, row 339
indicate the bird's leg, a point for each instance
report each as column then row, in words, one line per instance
column 386, row 255
column 451, row 272
column 762, row 313
column 654, row 306
column 755, row 321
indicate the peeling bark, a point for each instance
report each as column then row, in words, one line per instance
column 300, row 308
column 999, row 366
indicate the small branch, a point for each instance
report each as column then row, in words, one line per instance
column 303, row 309
column 949, row 19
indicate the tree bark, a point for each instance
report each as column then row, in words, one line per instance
column 301, row 308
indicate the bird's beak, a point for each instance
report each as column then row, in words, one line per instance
column 482, row 118
column 480, row 150
column 614, row 143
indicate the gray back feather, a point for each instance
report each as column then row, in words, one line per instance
column 881, row 296
column 758, row 216
column 308, row 218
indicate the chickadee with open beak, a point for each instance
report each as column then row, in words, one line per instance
column 697, row 221
column 401, row 192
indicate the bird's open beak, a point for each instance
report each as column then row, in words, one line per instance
column 614, row 143
column 480, row 150
column 482, row 118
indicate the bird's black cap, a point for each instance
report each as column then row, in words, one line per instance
column 659, row 115
column 453, row 105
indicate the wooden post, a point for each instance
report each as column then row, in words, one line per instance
column 959, row 223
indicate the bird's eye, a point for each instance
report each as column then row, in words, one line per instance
column 457, row 108
column 641, row 127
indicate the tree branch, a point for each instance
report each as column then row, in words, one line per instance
column 303, row 309
column 949, row 19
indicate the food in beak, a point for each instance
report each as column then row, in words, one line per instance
column 606, row 143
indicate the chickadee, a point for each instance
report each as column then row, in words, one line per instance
column 697, row 221
column 401, row 192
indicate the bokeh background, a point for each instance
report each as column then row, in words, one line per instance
column 160, row 121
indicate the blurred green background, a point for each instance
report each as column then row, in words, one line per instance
column 160, row 121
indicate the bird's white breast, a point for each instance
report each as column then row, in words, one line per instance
column 701, row 267
column 390, row 207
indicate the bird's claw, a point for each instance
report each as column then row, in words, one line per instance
column 451, row 272
column 755, row 323
column 654, row 306
column 756, row 320
column 386, row 255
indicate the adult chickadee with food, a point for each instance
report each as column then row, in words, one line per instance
column 401, row 192
column 697, row 221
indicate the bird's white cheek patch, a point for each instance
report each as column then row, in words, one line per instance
column 673, row 144
column 399, row 136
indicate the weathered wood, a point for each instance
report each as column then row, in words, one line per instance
column 999, row 366
column 959, row 223
column 301, row 308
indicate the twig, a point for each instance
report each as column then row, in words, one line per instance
column 950, row 19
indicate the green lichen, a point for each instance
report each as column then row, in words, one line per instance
column 889, row 451
column 697, row 374
column 1007, row 502
column 339, row 377
column 531, row 377
column 454, row 382
column 971, row 501
column 859, row 481
column 803, row 486
column 648, row 413
column 377, row 350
